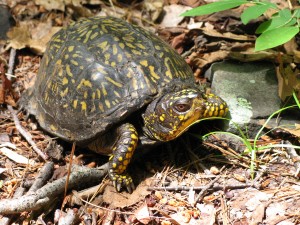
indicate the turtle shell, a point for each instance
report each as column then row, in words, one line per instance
column 98, row 71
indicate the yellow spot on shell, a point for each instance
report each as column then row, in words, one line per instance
column 113, row 82
column 71, row 48
column 122, row 45
column 136, row 52
column 85, row 94
column 120, row 158
column 65, row 81
column 114, row 165
column 87, row 36
column 101, row 70
column 83, row 105
column 60, row 72
column 87, row 83
column 64, row 93
column 140, row 46
column 94, row 35
column 169, row 74
column 84, row 82
column 117, row 94
column 130, row 45
column 68, row 70
column 152, row 72
column 74, row 62
column 119, row 57
column 144, row 63
column 107, row 103
column 102, row 45
column 101, row 107
column 53, row 128
column 106, row 56
column 75, row 104
column 98, row 93
column 115, row 50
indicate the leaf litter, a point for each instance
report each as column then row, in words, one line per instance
column 175, row 178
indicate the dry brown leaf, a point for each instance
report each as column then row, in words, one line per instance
column 51, row 5
column 123, row 199
column 227, row 35
column 153, row 8
column 171, row 17
column 35, row 38
column 295, row 131
column 287, row 81
column 142, row 214
column 61, row 4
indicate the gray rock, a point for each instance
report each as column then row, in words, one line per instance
column 250, row 90
column 6, row 21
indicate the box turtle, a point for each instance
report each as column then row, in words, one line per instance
column 110, row 85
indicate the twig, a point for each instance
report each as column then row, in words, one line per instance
column 25, row 134
column 208, row 186
column 295, row 157
column 11, row 63
column 43, row 176
column 69, row 171
column 34, row 201
column 198, row 188
column 18, row 193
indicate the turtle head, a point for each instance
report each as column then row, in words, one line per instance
column 169, row 116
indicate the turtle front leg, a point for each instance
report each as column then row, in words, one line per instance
column 122, row 153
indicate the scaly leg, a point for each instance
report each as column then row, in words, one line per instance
column 122, row 153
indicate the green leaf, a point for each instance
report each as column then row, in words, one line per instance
column 297, row 13
column 283, row 18
column 275, row 37
column 214, row 7
column 253, row 12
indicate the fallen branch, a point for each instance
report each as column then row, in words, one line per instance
column 43, row 176
column 25, row 134
column 40, row 198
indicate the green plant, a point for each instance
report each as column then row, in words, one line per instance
column 251, row 146
column 279, row 29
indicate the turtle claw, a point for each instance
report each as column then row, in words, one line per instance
column 122, row 180
column 118, row 187
column 130, row 187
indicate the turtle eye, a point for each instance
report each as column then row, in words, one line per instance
column 182, row 107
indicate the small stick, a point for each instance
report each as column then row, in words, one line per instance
column 11, row 63
column 25, row 134
column 198, row 188
column 295, row 157
column 203, row 191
